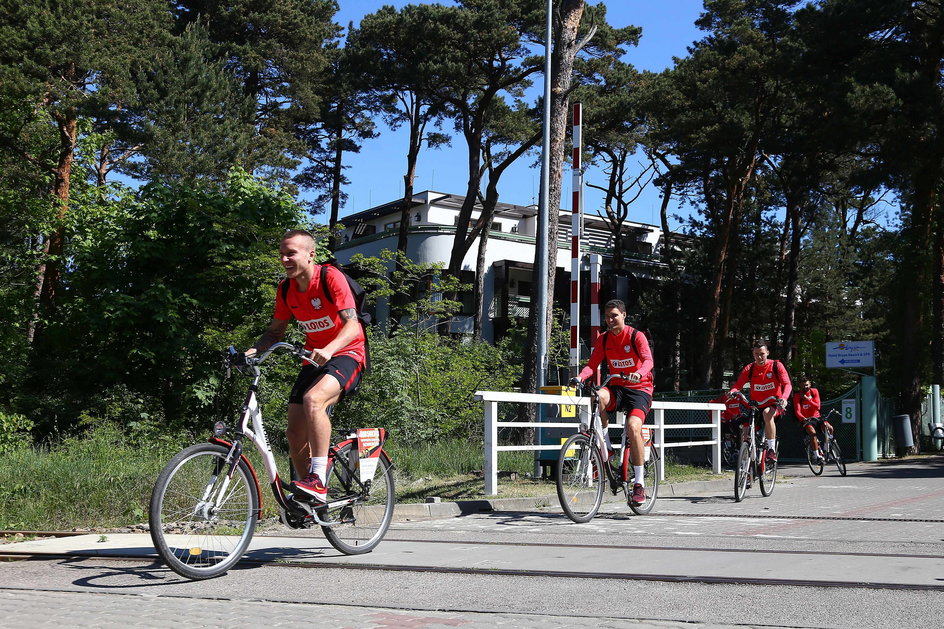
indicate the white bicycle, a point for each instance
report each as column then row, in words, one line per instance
column 206, row 501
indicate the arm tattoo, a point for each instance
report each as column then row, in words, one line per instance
column 347, row 314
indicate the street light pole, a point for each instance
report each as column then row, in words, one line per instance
column 541, row 271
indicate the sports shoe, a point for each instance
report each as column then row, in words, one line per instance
column 820, row 457
column 771, row 456
column 311, row 488
column 639, row 495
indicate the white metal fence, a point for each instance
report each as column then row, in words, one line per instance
column 491, row 400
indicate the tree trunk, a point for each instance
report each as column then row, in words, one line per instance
column 793, row 271
column 55, row 242
column 336, row 172
column 674, row 287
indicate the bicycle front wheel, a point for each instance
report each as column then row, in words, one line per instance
column 358, row 526
column 579, row 478
column 742, row 472
column 836, row 454
column 768, row 477
column 201, row 518
column 651, row 474
column 816, row 464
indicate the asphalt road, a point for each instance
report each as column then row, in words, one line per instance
column 865, row 550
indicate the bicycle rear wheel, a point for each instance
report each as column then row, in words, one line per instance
column 201, row 519
column 364, row 522
column 742, row 472
column 836, row 453
column 579, row 478
column 816, row 465
column 651, row 475
column 768, row 476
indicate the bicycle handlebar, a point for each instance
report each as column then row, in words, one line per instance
column 239, row 359
column 753, row 403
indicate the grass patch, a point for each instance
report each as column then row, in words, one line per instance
column 104, row 479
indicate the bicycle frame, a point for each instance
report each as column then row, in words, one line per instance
column 615, row 478
column 251, row 427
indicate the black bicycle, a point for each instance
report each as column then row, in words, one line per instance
column 581, row 469
column 752, row 461
column 832, row 453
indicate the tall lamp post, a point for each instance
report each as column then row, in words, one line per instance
column 543, row 212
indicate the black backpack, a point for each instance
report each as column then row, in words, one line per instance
column 360, row 300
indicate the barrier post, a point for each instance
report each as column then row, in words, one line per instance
column 491, row 453
column 659, row 417
column 716, row 437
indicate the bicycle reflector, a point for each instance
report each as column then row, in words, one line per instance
column 219, row 429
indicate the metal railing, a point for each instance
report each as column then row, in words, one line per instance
column 491, row 400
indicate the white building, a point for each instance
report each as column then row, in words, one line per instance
column 509, row 255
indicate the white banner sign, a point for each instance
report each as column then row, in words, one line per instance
column 848, row 354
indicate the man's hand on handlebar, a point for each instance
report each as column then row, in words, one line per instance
column 782, row 404
column 633, row 377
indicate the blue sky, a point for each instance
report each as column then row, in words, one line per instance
column 376, row 173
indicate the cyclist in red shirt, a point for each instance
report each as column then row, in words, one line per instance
column 767, row 377
column 628, row 357
column 733, row 409
column 335, row 339
column 806, row 405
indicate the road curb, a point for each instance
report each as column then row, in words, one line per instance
column 405, row 512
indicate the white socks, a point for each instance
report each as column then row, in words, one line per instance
column 319, row 465
column 640, row 474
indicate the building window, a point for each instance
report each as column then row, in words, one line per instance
column 391, row 226
column 496, row 227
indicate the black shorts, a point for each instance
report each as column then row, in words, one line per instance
column 815, row 422
column 345, row 369
column 628, row 400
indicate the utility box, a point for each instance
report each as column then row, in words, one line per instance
column 564, row 410
column 556, row 436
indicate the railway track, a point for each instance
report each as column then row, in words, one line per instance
column 603, row 575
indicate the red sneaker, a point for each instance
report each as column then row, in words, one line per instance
column 639, row 495
column 311, row 488
column 771, row 455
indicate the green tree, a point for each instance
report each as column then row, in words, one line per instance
column 277, row 51
column 402, row 51
column 193, row 119
column 713, row 112
column 346, row 120
column 56, row 77
column 158, row 282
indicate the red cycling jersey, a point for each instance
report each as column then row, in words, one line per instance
column 806, row 406
column 764, row 382
column 734, row 406
column 623, row 356
column 317, row 316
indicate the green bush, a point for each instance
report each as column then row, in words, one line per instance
column 421, row 386
column 14, row 431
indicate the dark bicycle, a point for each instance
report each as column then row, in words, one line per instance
column 832, row 453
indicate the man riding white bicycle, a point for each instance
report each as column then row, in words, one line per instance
column 768, row 379
column 335, row 339
column 628, row 358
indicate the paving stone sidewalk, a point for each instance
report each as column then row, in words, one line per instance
column 40, row 609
